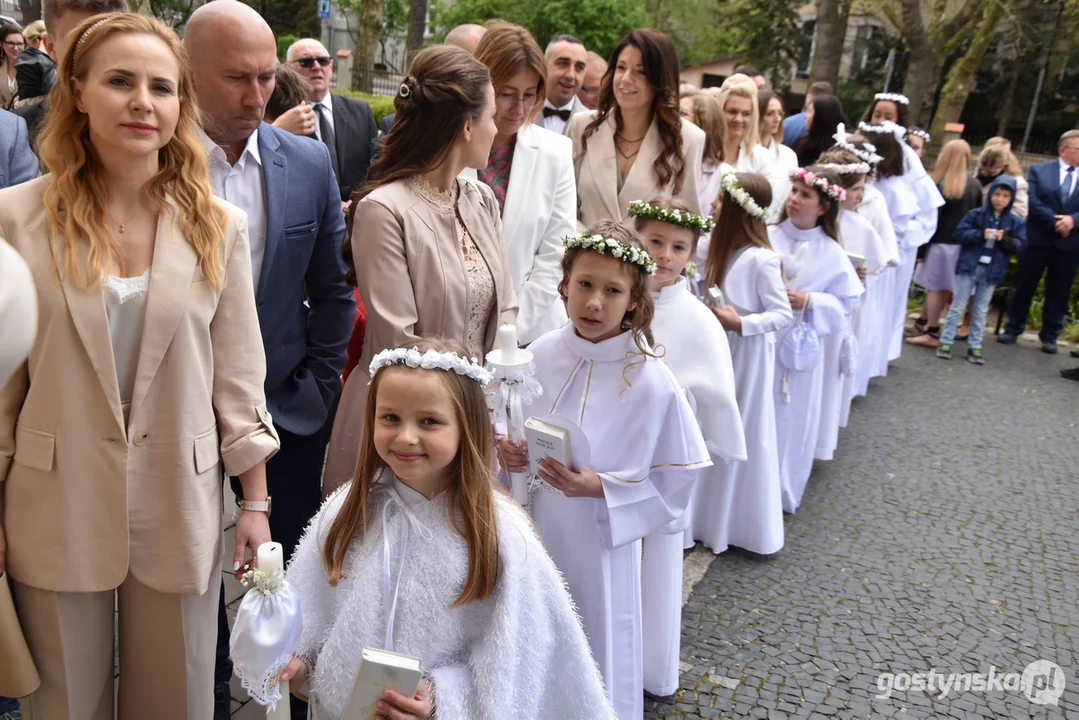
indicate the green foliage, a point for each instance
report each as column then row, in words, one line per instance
column 285, row 17
column 283, row 44
column 1070, row 333
column 381, row 105
column 173, row 13
column 600, row 24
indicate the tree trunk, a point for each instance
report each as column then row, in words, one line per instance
column 31, row 11
column 367, row 39
column 417, row 26
column 831, row 32
column 1009, row 96
column 953, row 96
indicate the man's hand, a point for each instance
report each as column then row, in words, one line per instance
column 300, row 120
column 1065, row 225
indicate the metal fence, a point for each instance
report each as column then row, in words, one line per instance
column 385, row 83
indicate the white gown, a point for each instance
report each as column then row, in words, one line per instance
column 746, row 511
column 874, row 360
column 817, row 264
column 902, row 209
column 648, row 450
column 518, row 653
column 695, row 348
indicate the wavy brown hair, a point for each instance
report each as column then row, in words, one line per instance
column 508, row 49
column 829, row 221
column 638, row 320
column 735, row 228
column 471, row 498
column 661, row 70
column 75, row 197
column 445, row 88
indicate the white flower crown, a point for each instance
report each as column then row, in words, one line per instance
column 886, row 127
column 815, row 181
column 609, row 246
column 866, row 153
column 432, row 360
column 860, row 168
column 893, row 97
column 734, row 190
column 918, row 132
column 690, row 221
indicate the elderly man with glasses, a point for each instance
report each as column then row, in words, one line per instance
column 345, row 125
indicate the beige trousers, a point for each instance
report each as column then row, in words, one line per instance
column 167, row 647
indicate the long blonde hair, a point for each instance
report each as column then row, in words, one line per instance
column 75, row 198
column 953, row 169
column 472, row 495
column 739, row 85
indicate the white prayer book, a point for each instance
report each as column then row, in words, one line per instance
column 546, row 440
column 381, row 670
column 856, row 259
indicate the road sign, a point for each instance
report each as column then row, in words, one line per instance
column 324, row 9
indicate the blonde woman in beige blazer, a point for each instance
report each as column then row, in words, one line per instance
column 635, row 145
column 426, row 247
column 144, row 385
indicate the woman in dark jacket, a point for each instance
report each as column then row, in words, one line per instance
column 936, row 273
column 823, row 116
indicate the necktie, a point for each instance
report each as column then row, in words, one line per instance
column 549, row 111
column 1066, row 186
column 325, row 130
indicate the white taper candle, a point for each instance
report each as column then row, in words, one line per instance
column 271, row 559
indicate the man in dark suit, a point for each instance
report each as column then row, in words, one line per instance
column 1052, row 244
column 567, row 60
column 286, row 185
column 346, row 126
column 17, row 161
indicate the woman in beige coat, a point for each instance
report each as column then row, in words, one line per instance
column 635, row 145
column 426, row 247
column 144, row 385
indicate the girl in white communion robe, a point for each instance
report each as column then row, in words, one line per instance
column 421, row 555
column 600, row 372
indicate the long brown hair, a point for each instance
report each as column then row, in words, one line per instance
column 75, row 198
column 891, row 152
column 638, row 320
column 829, row 221
column 953, row 169
column 709, row 119
column 445, row 88
column 471, row 498
column 508, row 49
column 735, row 228
column 661, row 70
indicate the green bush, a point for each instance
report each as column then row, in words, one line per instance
column 381, row 105
column 283, row 44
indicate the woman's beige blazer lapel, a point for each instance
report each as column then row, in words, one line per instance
column 640, row 183
column 602, row 164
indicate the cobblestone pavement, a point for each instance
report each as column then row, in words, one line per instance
column 944, row 536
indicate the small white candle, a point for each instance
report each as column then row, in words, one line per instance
column 507, row 343
column 271, row 559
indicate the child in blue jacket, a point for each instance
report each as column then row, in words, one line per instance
column 988, row 236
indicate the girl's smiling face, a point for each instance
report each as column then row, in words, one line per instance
column 671, row 246
column 598, row 295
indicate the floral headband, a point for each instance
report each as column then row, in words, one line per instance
column 892, row 97
column 734, row 190
column 861, row 168
column 834, row 192
column 432, row 360
column 918, row 132
column 886, row 127
column 699, row 223
column 609, row 246
column 867, row 153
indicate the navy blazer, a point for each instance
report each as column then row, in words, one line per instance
column 17, row 161
column 1044, row 192
column 305, row 306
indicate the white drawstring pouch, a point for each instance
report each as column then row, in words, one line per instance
column 268, row 626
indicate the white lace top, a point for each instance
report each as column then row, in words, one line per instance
column 125, row 305
column 481, row 283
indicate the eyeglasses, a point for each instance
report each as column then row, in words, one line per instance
column 15, row 45
column 309, row 62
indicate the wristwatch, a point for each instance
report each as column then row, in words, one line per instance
column 257, row 505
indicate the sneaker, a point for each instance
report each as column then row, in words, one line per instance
column 1006, row 339
column 1049, row 347
column 945, row 351
column 974, row 355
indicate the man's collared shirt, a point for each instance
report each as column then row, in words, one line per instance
column 242, row 185
column 1063, row 167
column 555, row 123
column 328, row 112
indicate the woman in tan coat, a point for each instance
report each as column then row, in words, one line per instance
column 635, row 145
column 426, row 247
column 144, row 385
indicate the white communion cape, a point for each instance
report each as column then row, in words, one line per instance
column 648, row 450
column 747, row 511
column 520, row 653
column 694, row 347
column 817, row 264
column 903, row 210
column 874, row 358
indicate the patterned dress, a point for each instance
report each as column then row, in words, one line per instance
column 497, row 173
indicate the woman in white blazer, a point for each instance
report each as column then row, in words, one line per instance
column 635, row 146
column 741, row 137
column 530, row 170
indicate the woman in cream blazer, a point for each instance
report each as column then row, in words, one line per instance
column 415, row 237
column 602, row 192
column 140, row 391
